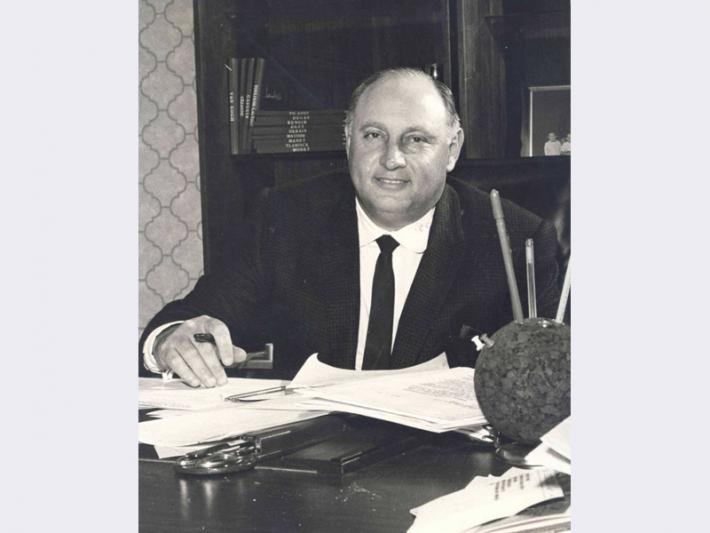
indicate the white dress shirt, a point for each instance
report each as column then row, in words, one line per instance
column 412, row 240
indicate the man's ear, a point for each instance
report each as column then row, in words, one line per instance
column 455, row 149
column 347, row 139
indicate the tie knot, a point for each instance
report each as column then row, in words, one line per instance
column 387, row 244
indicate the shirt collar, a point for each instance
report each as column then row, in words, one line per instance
column 413, row 236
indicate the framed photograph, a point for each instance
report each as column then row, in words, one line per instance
column 546, row 124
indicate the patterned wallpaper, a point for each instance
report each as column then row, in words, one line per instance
column 170, row 222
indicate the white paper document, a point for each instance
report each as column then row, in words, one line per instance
column 486, row 499
column 438, row 400
column 560, row 522
column 427, row 396
column 559, row 438
column 545, row 456
column 154, row 392
column 214, row 424
column 164, row 452
column 555, row 450
column 314, row 372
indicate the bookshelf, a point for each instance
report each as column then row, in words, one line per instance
column 315, row 53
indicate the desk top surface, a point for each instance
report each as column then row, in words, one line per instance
column 376, row 498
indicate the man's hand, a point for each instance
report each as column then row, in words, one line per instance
column 198, row 363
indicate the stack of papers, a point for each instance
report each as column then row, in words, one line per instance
column 191, row 418
column 201, row 427
column 555, row 450
column 483, row 502
column 429, row 396
column 176, row 394
column 437, row 401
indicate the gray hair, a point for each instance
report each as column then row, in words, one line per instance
column 446, row 95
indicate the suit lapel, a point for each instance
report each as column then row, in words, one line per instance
column 438, row 268
column 339, row 281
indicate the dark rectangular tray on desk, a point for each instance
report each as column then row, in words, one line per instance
column 364, row 442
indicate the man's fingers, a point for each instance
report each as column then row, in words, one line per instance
column 194, row 360
column 239, row 355
column 174, row 362
column 200, row 360
column 223, row 341
column 208, row 353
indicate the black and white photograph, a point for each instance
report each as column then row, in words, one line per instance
column 306, row 265
column 354, row 292
column 547, row 128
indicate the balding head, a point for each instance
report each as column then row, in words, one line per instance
column 447, row 96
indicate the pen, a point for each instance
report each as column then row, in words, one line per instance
column 209, row 338
column 240, row 396
column 530, row 272
column 507, row 257
column 562, row 306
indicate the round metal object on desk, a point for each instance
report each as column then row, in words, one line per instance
column 225, row 458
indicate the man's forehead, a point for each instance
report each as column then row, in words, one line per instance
column 396, row 93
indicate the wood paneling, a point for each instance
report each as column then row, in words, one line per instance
column 482, row 80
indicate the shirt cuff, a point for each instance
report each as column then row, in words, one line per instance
column 149, row 361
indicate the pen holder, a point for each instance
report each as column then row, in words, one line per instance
column 522, row 380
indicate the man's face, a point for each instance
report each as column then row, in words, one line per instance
column 400, row 147
column 551, row 137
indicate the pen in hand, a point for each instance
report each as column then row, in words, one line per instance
column 208, row 337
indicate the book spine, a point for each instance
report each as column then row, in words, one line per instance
column 271, row 122
column 248, row 88
column 282, row 147
column 296, row 124
column 300, row 137
column 242, row 101
column 233, row 95
column 302, row 113
column 255, row 96
column 284, row 130
column 289, row 119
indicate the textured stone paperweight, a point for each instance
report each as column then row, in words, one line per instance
column 522, row 381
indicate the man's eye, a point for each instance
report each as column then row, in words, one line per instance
column 417, row 139
column 372, row 135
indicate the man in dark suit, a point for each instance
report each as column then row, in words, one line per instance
column 386, row 268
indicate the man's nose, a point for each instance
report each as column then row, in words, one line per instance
column 393, row 158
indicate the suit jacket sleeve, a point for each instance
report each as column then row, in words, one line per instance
column 237, row 295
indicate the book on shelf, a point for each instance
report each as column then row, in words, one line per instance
column 278, row 118
column 248, row 87
column 274, row 147
column 329, row 132
column 233, row 95
column 314, row 125
column 255, row 96
column 263, row 145
column 264, row 113
column 285, row 126
column 242, row 102
column 252, row 128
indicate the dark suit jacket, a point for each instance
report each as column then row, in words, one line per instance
column 297, row 283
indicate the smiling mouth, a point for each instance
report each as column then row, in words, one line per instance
column 390, row 181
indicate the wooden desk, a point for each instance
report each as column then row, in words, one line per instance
column 376, row 498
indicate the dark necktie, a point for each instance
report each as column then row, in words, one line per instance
column 379, row 328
